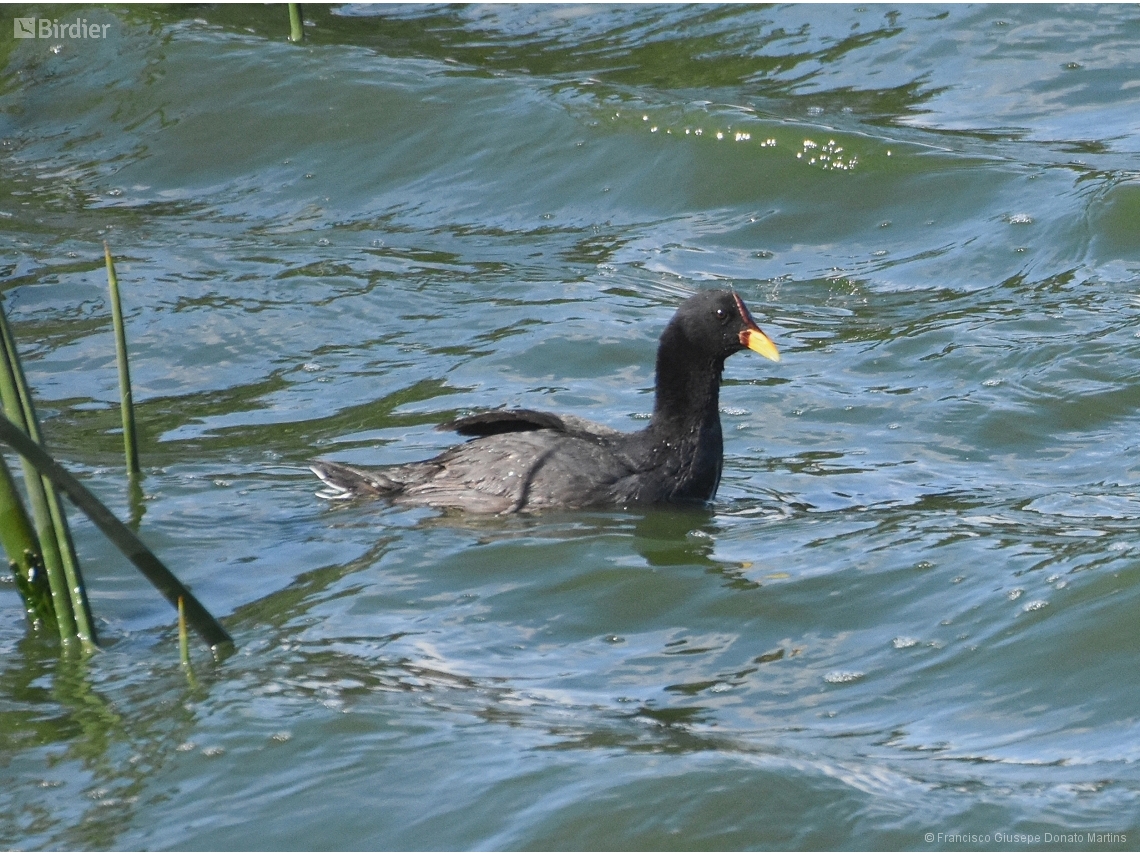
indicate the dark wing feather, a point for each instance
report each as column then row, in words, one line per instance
column 496, row 422
column 504, row 421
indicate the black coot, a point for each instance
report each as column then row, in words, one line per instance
column 526, row 460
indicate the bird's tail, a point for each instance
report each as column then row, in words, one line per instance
column 347, row 482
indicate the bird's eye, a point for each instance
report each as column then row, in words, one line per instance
column 721, row 315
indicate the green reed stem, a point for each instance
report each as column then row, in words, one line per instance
column 183, row 635
column 126, row 400
column 122, row 537
column 69, row 598
column 24, row 556
column 296, row 26
column 76, row 589
column 184, row 643
column 69, row 595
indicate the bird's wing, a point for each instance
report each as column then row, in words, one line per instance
column 518, row 421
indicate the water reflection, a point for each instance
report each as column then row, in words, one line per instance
column 92, row 733
column 342, row 667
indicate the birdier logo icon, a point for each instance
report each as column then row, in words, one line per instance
column 25, row 28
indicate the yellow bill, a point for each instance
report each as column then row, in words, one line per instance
column 752, row 336
column 755, row 340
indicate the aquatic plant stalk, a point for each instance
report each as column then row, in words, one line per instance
column 183, row 635
column 126, row 400
column 122, row 537
column 23, row 550
column 296, row 26
column 184, row 645
column 69, row 597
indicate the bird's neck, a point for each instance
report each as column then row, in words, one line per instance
column 685, row 432
column 688, row 388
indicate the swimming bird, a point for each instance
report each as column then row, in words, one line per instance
column 529, row 460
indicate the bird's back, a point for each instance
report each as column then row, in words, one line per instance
column 523, row 470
